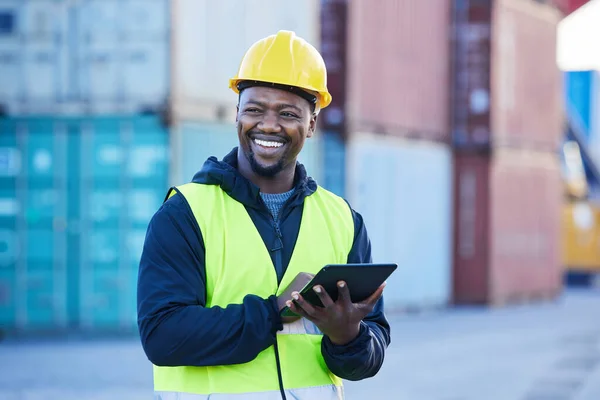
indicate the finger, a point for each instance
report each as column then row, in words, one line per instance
column 344, row 294
column 303, row 304
column 374, row 298
column 295, row 309
column 323, row 296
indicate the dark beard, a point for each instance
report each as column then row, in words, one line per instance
column 265, row 172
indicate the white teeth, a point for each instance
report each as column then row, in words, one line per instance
column 267, row 143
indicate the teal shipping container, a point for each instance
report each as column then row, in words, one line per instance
column 76, row 196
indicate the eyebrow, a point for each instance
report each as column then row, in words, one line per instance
column 279, row 106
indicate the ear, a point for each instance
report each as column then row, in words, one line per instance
column 237, row 112
column 312, row 126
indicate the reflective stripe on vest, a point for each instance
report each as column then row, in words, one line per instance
column 327, row 392
column 238, row 263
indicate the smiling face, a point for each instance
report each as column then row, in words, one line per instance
column 272, row 126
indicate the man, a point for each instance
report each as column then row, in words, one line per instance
column 226, row 252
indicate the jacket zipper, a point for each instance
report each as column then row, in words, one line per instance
column 278, row 267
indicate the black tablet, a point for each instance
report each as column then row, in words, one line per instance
column 362, row 281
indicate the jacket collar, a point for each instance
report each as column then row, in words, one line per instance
column 225, row 174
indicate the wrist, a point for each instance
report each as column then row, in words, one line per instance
column 346, row 337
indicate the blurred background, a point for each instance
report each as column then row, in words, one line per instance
column 466, row 132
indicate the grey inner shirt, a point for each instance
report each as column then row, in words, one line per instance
column 275, row 201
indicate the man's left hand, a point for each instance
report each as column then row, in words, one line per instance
column 339, row 320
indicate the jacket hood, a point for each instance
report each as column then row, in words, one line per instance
column 225, row 174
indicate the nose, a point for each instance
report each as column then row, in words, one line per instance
column 270, row 123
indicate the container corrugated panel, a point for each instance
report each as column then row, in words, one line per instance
column 97, row 56
column 471, row 232
column 407, row 94
column 33, row 53
column 10, row 168
column 525, row 220
column 526, row 84
column 210, row 39
column 403, row 191
column 123, row 54
column 334, row 163
column 124, row 175
column 470, row 65
column 507, row 229
column 33, row 272
column 194, row 142
column 76, row 198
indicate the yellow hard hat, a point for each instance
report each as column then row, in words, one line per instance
column 288, row 60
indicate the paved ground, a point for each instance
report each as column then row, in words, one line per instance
column 543, row 352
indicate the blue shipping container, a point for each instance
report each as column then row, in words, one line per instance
column 75, row 200
column 334, row 163
column 581, row 97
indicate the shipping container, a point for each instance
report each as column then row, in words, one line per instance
column 334, row 162
column 408, row 93
column 527, row 106
column 193, row 142
column 507, row 226
column 209, row 40
column 403, row 190
column 582, row 91
column 34, row 275
column 470, row 61
column 506, row 86
column 582, row 102
column 77, row 195
column 334, row 50
column 95, row 56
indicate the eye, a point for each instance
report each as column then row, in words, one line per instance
column 288, row 114
column 252, row 110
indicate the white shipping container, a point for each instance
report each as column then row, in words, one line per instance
column 211, row 37
column 97, row 56
column 192, row 143
column 123, row 53
column 403, row 190
column 32, row 51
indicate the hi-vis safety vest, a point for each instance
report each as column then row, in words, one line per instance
column 237, row 263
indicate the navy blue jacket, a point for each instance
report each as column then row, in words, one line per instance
column 177, row 329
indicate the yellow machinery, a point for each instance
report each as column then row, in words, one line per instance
column 581, row 218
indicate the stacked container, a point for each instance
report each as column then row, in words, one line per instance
column 83, row 158
column 388, row 73
column 507, row 126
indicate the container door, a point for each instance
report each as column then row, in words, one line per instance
column 123, row 182
column 33, row 275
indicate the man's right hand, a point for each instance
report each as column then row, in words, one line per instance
column 295, row 286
